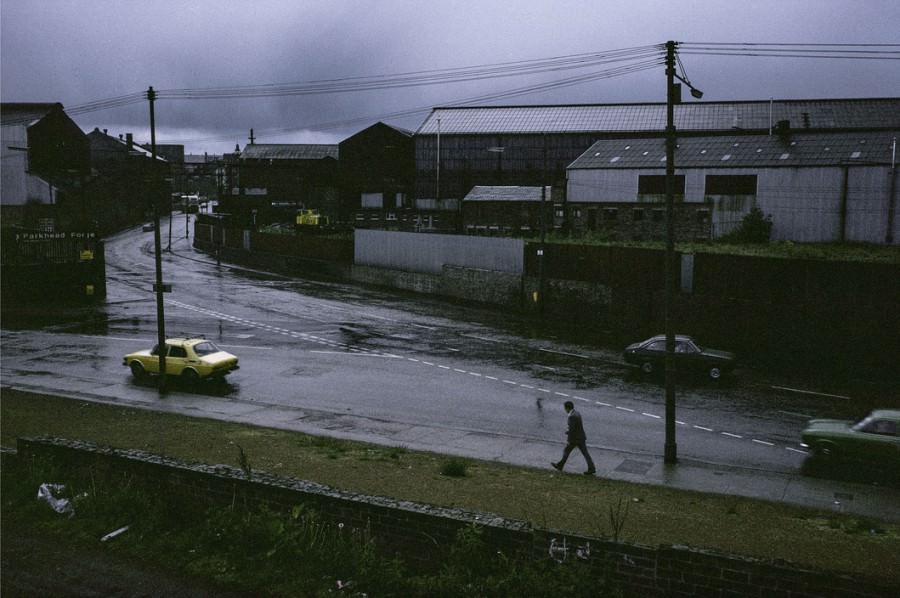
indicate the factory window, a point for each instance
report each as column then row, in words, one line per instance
column 731, row 184
column 655, row 184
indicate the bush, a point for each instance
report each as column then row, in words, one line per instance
column 755, row 228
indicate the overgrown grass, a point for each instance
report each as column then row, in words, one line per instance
column 264, row 552
column 591, row 506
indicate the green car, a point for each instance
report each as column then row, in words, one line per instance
column 873, row 439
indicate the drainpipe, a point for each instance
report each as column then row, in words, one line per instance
column 889, row 235
column 842, row 232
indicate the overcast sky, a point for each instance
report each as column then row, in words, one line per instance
column 81, row 51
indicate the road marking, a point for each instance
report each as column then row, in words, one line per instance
column 800, row 415
column 563, row 353
column 811, row 392
column 793, row 450
column 371, row 353
column 481, row 338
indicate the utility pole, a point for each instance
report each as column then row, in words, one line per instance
column 671, row 448
column 157, row 245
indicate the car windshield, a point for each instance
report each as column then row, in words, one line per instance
column 205, row 348
column 872, row 425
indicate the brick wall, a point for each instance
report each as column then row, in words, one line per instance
column 423, row 534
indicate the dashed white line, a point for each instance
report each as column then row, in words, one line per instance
column 811, row 392
column 564, row 353
column 355, row 350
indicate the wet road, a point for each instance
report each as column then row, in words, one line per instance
column 353, row 361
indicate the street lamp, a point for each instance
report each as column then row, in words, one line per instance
column 673, row 96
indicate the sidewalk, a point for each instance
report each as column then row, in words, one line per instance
column 838, row 495
column 857, row 498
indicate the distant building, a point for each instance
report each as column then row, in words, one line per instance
column 45, row 163
column 126, row 180
column 272, row 181
column 459, row 148
column 50, row 247
column 377, row 174
column 508, row 211
column 817, row 187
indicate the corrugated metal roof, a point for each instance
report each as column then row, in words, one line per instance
column 506, row 193
column 874, row 113
column 270, row 151
column 16, row 113
column 733, row 151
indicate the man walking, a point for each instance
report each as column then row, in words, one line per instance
column 575, row 437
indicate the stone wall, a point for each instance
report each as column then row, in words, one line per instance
column 423, row 534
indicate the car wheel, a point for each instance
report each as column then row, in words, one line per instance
column 137, row 370
column 190, row 376
column 825, row 451
column 647, row 367
column 715, row 373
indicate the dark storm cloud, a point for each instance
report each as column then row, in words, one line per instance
column 81, row 51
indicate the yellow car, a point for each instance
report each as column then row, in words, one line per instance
column 190, row 358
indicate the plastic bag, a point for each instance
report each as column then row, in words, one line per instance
column 50, row 493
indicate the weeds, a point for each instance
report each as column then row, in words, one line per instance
column 617, row 518
column 274, row 553
column 455, row 468
column 244, row 462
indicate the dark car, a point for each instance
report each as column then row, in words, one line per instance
column 650, row 356
column 873, row 440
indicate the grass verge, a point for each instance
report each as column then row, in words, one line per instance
column 655, row 515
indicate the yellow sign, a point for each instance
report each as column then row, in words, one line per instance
column 86, row 254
